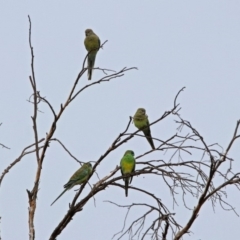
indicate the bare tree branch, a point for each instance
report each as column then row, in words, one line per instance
column 3, row 146
column 23, row 153
column 55, row 139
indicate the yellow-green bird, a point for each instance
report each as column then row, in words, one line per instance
column 140, row 120
column 79, row 177
column 127, row 166
column 92, row 44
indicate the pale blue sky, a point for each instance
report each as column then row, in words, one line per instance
column 173, row 44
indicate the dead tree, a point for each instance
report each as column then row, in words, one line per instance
column 179, row 168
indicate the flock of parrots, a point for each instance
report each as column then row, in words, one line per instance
column 140, row 120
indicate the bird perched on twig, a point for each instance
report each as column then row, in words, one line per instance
column 79, row 177
column 140, row 120
column 127, row 166
column 92, row 44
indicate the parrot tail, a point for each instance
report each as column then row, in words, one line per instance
column 126, row 186
column 91, row 61
column 59, row 196
column 147, row 134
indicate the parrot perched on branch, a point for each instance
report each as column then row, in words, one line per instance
column 92, row 44
column 140, row 120
column 79, row 177
column 127, row 165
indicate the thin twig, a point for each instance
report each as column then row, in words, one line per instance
column 23, row 153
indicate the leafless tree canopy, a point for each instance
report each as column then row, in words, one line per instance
column 189, row 168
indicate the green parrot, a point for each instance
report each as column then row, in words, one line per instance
column 127, row 166
column 140, row 120
column 92, row 44
column 79, row 177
